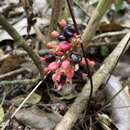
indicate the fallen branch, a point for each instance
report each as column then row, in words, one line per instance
column 79, row 105
column 23, row 82
column 91, row 28
column 14, row 72
column 109, row 34
column 20, row 41
column 56, row 11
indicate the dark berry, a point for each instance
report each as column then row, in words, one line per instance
column 75, row 58
column 68, row 34
column 62, row 38
column 50, row 58
column 70, row 28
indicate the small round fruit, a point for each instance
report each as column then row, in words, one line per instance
column 62, row 38
column 50, row 58
column 76, row 58
column 70, row 28
column 63, row 23
column 68, row 34
column 54, row 34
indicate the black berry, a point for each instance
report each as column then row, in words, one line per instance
column 50, row 58
column 75, row 58
column 70, row 28
column 62, row 38
column 68, row 34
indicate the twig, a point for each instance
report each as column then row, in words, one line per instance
column 20, row 41
column 40, row 36
column 109, row 34
column 83, row 51
column 97, row 44
column 56, row 10
column 124, row 49
column 113, row 97
column 13, row 73
column 23, row 82
column 20, row 106
column 79, row 105
column 91, row 28
column 81, row 8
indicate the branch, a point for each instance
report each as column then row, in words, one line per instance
column 110, row 34
column 79, row 105
column 56, row 11
column 90, row 30
column 14, row 72
column 20, row 41
column 23, row 82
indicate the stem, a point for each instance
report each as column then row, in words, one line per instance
column 97, row 15
column 20, row 41
column 83, row 51
column 117, row 62
column 56, row 11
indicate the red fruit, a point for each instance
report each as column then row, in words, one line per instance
column 64, row 47
column 91, row 63
column 63, row 23
column 42, row 58
column 54, row 34
column 51, row 46
column 128, row 1
column 53, row 66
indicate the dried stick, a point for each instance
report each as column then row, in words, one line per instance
column 20, row 41
column 79, row 105
column 56, row 10
column 23, row 82
column 90, row 30
column 14, row 72
column 110, row 34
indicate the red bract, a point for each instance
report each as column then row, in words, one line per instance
column 69, row 74
column 53, row 66
column 91, row 63
column 64, row 70
column 57, row 75
column 63, row 23
column 65, row 64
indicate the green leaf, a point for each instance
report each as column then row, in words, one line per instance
column 104, row 51
column 34, row 99
column 1, row 113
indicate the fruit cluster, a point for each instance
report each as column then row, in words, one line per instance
column 65, row 60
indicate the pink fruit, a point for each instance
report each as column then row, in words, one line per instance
column 90, row 62
column 63, row 23
column 65, row 47
column 54, row 34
